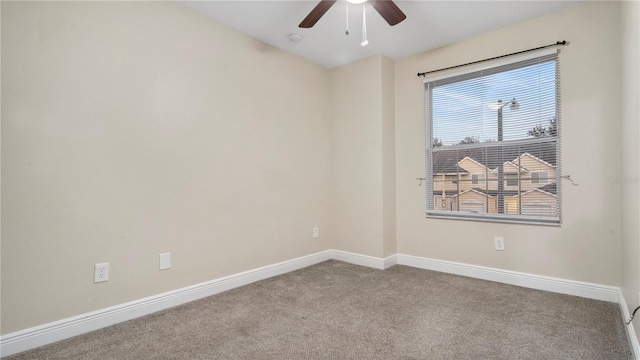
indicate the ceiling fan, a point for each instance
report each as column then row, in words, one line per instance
column 386, row 8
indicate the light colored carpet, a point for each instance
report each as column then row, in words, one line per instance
column 335, row 310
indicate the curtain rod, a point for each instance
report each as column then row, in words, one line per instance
column 558, row 43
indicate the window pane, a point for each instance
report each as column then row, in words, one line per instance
column 535, row 178
column 495, row 143
column 465, row 112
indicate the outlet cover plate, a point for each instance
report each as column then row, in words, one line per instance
column 165, row 261
column 499, row 242
column 101, row 272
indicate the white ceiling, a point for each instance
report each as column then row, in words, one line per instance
column 429, row 24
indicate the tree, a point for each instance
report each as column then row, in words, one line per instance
column 540, row 131
column 436, row 142
column 553, row 127
column 469, row 140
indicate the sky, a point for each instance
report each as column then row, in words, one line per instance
column 462, row 109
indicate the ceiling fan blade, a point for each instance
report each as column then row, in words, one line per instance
column 316, row 13
column 389, row 11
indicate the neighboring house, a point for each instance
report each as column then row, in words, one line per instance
column 467, row 180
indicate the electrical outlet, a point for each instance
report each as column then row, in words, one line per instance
column 316, row 232
column 499, row 242
column 101, row 272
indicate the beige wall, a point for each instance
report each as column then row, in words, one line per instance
column 363, row 150
column 587, row 245
column 630, row 28
column 388, row 157
column 135, row 128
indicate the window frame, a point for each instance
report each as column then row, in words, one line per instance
column 520, row 218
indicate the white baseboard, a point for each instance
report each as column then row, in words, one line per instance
column 557, row 285
column 390, row 261
column 63, row 329
column 364, row 260
column 48, row 333
column 631, row 332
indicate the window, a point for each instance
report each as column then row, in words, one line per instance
column 496, row 131
column 476, row 178
column 512, row 179
column 540, row 177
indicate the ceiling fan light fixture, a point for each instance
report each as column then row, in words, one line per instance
column 356, row 1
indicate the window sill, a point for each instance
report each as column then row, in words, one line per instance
column 494, row 218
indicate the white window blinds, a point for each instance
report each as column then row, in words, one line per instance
column 493, row 149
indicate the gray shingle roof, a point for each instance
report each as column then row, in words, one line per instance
column 446, row 161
